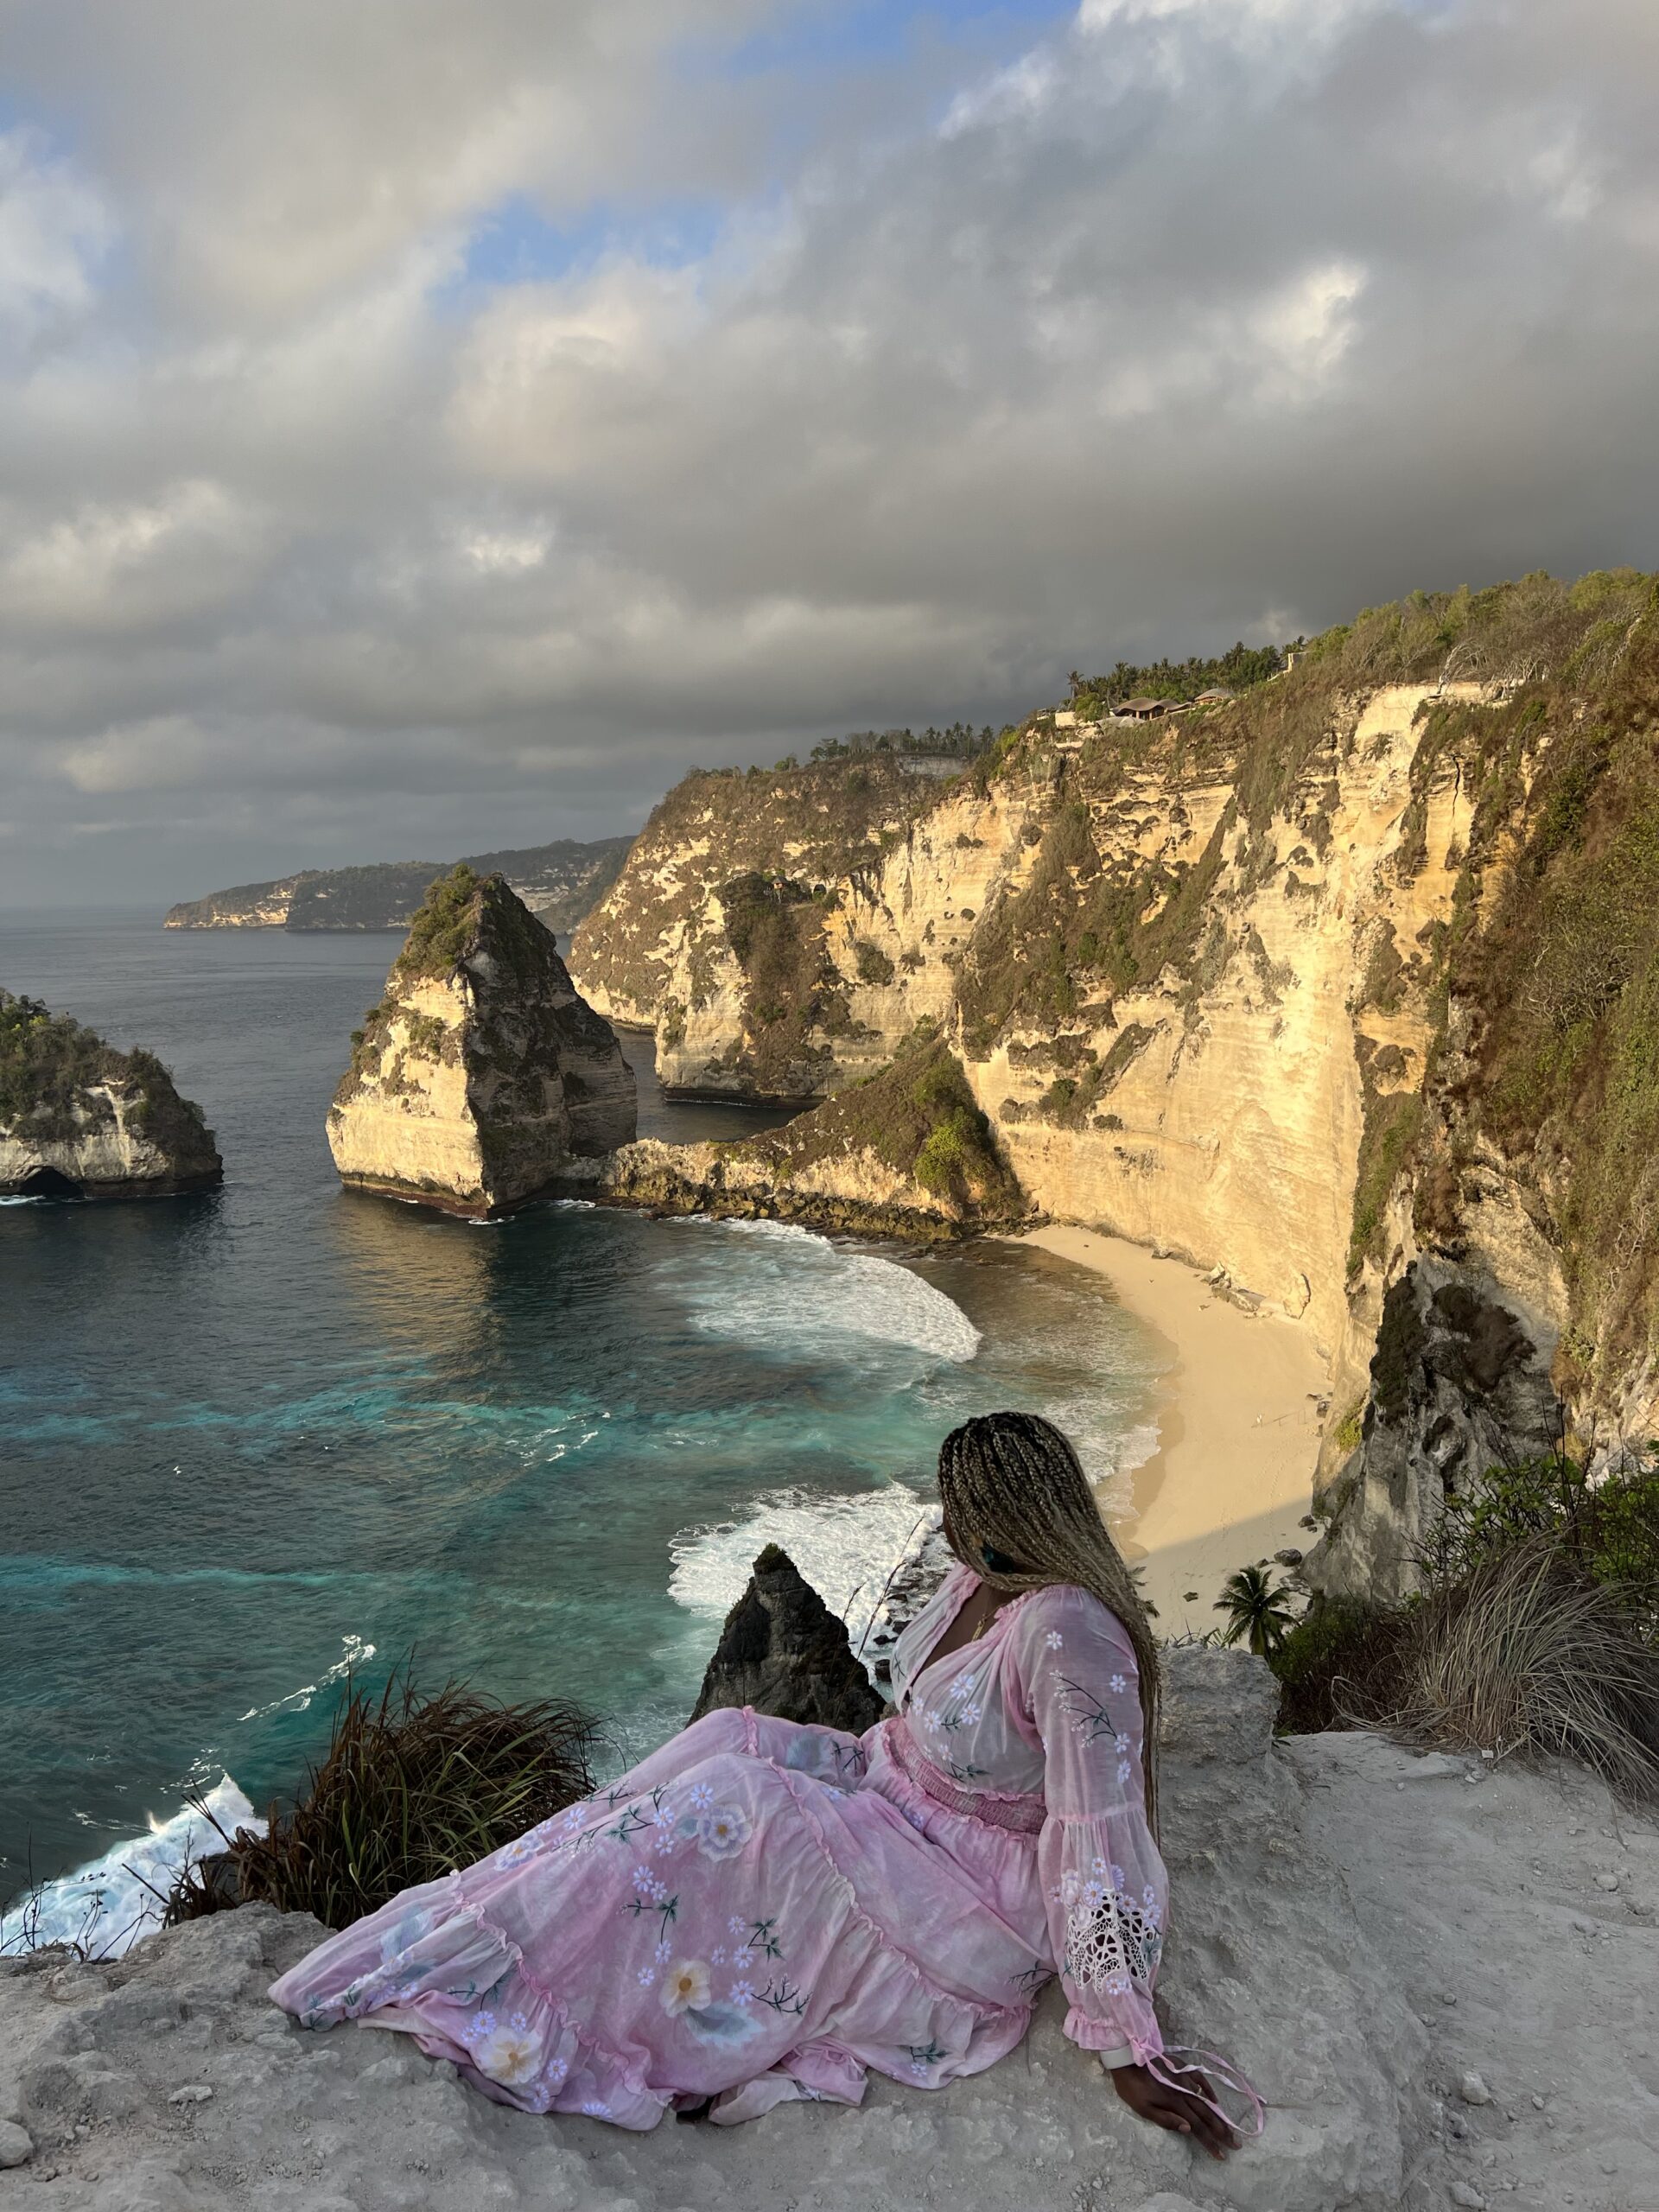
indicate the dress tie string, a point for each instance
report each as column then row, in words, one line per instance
column 1168, row 2066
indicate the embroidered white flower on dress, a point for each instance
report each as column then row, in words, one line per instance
column 970, row 1713
column 737, row 1926
column 1118, row 1875
column 595, row 2110
column 647, row 1975
column 1092, row 1895
column 717, row 1956
column 1053, row 1639
column 722, row 1833
column 1123, row 1770
column 643, row 1881
column 686, row 1984
column 523, row 1847
column 742, row 1992
column 699, row 1796
column 662, row 1953
column 511, row 2055
column 479, row 2029
column 558, row 2069
column 1121, row 1746
column 1119, row 1684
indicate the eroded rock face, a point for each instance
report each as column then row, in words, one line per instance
column 79, row 1120
column 1459, row 1384
column 783, row 1651
column 483, row 1072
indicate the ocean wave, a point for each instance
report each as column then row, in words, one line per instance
column 796, row 1288
column 109, row 1906
column 845, row 1546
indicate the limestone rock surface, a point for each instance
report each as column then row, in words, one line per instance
column 1329, row 1895
column 483, row 1072
column 783, row 1651
column 78, row 1119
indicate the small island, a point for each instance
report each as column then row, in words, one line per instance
column 482, row 1072
column 78, row 1119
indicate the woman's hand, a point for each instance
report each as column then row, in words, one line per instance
column 1174, row 2108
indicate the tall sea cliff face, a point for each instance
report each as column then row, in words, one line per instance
column 482, row 1072
column 1345, row 987
column 78, row 1119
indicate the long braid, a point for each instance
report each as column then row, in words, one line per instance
column 1012, row 1481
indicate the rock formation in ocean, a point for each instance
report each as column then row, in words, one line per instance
column 783, row 1651
column 1329, row 1896
column 481, row 1073
column 1352, row 974
column 906, row 1153
column 78, row 1119
column 558, row 882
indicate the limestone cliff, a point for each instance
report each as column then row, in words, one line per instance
column 1346, row 981
column 729, row 931
column 481, row 1072
column 79, row 1120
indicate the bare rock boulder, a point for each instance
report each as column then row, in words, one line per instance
column 783, row 1651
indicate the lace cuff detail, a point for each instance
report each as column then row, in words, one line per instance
column 1111, row 1944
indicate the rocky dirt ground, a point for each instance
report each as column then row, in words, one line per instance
column 1443, row 1977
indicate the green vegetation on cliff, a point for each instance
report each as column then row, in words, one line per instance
column 917, row 1117
column 55, row 1076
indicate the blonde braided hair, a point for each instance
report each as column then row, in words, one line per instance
column 1012, row 1481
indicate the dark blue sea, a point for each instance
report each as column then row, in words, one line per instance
column 251, row 1440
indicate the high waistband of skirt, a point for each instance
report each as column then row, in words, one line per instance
column 1020, row 1815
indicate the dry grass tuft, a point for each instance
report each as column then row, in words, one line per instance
column 409, row 1789
column 1528, row 1654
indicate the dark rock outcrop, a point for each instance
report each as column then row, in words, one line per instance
column 78, row 1119
column 1460, row 1384
column 783, row 1651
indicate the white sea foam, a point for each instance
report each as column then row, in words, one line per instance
column 845, row 1546
column 800, row 1287
column 353, row 1653
column 109, row 1906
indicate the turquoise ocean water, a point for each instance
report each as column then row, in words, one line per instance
column 249, row 1440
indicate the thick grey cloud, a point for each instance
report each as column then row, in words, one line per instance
column 1194, row 318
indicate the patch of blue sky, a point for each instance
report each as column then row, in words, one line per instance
column 513, row 243
column 831, row 34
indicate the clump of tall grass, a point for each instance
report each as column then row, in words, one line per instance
column 411, row 1788
column 1528, row 1653
column 1535, row 1633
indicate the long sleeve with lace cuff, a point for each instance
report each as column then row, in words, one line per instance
column 1104, row 1880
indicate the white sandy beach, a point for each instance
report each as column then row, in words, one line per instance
column 1238, row 1427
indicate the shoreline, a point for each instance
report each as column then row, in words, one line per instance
column 1238, row 1427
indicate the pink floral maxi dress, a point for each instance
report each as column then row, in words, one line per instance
column 761, row 1911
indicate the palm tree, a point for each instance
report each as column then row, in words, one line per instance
column 1258, row 1610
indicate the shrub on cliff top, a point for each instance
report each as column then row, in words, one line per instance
column 438, row 935
column 411, row 1788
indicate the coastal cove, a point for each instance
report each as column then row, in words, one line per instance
column 258, row 1436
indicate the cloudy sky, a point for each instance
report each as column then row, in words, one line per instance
column 433, row 424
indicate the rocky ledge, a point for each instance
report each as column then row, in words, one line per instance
column 482, row 1073
column 906, row 1153
column 1439, row 1974
column 78, row 1119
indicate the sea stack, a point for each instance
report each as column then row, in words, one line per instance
column 78, row 1119
column 482, row 1072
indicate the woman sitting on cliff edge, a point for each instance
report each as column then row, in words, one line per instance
column 762, row 1911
